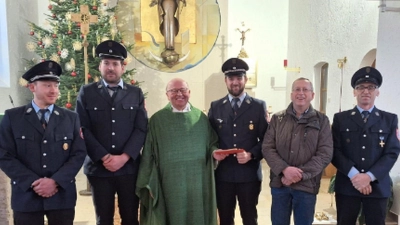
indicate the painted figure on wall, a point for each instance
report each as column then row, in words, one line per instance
column 168, row 11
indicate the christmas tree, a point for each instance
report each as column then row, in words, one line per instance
column 76, row 28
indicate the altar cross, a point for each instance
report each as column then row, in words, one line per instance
column 85, row 18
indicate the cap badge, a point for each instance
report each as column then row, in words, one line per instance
column 368, row 70
column 234, row 68
column 367, row 76
column 50, row 65
column 110, row 44
column 110, row 51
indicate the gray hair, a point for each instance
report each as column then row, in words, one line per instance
column 305, row 79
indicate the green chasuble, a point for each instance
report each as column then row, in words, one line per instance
column 176, row 177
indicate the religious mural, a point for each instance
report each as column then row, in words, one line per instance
column 169, row 35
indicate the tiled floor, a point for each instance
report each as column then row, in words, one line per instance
column 85, row 212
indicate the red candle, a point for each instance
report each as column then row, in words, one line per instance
column 285, row 62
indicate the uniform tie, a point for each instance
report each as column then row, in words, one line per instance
column 43, row 117
column 235, row 104
column 365, row 115
column 114, row 90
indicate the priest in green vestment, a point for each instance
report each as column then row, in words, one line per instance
column 176, row 175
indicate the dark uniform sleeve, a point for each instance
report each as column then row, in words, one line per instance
column 11, row 166
column 262, row 128
column 138, row 136
column 94, row 149
column 340, row 161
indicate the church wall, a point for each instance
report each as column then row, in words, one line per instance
column 387, row 62
column 266, row 42
column 325, row 31
column 18, row 34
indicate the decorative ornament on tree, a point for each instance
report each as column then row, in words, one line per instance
column 77, row 45
column 47, row 41
column 64, row 53
column 63, row 42
column 31, row 46
column 68, row 105
column 55, row 58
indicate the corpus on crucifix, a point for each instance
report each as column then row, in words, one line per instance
column 85, row 18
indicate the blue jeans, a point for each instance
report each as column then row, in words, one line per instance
column 286, row 199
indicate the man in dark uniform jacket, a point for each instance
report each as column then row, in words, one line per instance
column 41, row 150
column 365, row 149
column 240, row 122
column 114, row 122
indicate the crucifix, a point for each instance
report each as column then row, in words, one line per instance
column 85, row 18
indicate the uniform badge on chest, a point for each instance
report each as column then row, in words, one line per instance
column 65, row 146
column 251, row 125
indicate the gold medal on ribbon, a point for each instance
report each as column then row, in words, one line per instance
column 65, row 146
column 251, row 126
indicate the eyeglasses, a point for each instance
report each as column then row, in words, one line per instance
column 299, row 90
column 370, row 88
column 182, row 90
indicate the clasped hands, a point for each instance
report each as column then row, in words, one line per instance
column 114, row 162
column 361, row 182
column 291, row 175
column 242, row 157
column 45, row 187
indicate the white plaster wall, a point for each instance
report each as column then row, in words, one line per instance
column 18, row 34
column 266, row 42
column 324, row 31
column 387, row 62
